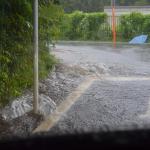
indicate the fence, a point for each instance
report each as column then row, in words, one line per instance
column 79, row 26
column 130, row 25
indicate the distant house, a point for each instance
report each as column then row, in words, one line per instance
column 121, row 10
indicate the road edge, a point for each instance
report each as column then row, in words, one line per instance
column 51, row 120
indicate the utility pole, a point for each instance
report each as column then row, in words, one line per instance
column 113, row 22
column 35, row 49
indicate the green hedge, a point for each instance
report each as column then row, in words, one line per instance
column 134, row 24
column 82, row 26
column 94, row 26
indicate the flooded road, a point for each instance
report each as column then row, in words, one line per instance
column 119, row 99
column 125, row 60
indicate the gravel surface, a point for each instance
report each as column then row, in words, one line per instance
column 15, row 118
column 108, row 105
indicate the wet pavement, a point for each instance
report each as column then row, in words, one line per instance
column 119, row 99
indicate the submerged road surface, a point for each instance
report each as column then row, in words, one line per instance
column 118, row 99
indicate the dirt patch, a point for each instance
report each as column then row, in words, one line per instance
column 20, row 127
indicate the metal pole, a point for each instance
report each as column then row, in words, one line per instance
column 113, row 22
column 35, row 69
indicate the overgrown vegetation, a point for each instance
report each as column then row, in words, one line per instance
column 83, row 26
column 134, row 24
column 16, row 51
column 95, row 26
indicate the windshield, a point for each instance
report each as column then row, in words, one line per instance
column 70, row 66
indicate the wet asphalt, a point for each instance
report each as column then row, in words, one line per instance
column 108, row 104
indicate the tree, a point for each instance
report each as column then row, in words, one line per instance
column 16, row 59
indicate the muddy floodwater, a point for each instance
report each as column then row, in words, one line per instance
column 118, row 99
column 125, row 60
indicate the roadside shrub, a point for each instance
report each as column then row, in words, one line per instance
column 46, row 63
column 76, row 18
column 104, row 32
column 82, row 26
column 95, row 26
column 65, row 27
column 146, row 25
column 131, row 25
column 16, row 50
column 50, row 17
column 95, row 21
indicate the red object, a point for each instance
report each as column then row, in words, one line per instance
column 114, row 26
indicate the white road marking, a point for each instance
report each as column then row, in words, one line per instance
column 147, row 113
column 74, row 96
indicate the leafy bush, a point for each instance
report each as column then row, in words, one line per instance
column 76, row 18
column 65, row 27
column 82, row 26
column 95, row 21
column 146, row 25
column 16, row 51
column 50, row 17
column 104, row 32
column 132, row 25
column 94, row 26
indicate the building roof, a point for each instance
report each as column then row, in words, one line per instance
column 120, row 10
column 128, row 7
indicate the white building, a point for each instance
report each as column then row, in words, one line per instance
column 121, row 10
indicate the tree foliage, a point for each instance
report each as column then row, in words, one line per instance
column 134, row 24
column 16, row 54
column 82, row 5
column 95, row 26
column 98, row 5
column 82, row 26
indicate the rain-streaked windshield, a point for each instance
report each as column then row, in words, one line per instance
column 70, row 66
